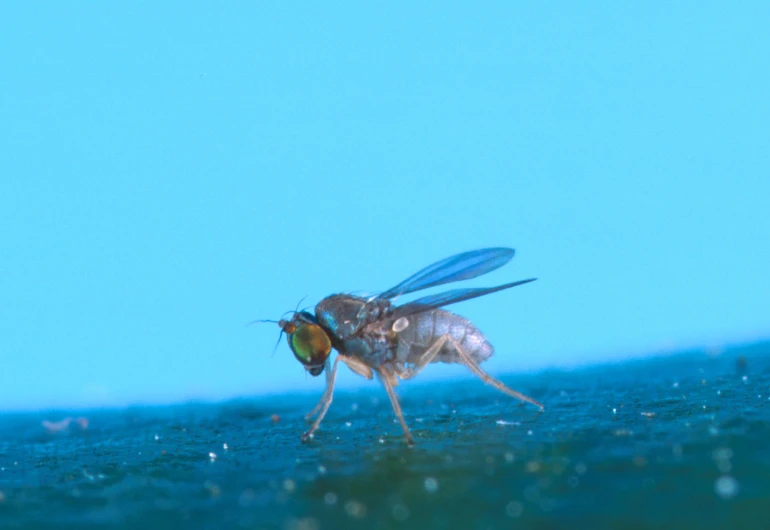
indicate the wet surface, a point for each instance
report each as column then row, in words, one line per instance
column 677, row 442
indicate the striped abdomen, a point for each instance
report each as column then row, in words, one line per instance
column 424, row 329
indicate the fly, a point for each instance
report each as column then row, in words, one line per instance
column 373, row 336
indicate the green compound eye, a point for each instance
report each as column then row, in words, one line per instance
column 310, row 344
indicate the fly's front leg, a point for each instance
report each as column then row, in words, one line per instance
column 326, row 400
column 325, row 395
column 355, row 365
column 358, row 366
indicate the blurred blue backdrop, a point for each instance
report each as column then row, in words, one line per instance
column 171, row 172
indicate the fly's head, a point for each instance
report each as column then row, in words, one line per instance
column 308, row 341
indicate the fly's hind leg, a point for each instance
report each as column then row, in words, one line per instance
column 468, row 361
column 326, row 401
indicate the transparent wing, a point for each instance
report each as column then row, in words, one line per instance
column 452, row 269
column 450, row 297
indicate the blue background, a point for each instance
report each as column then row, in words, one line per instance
column 171, row 172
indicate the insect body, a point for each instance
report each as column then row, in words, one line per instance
column 375, row 336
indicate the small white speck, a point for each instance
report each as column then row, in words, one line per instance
column 212, row 456
column 321, row 470
column 348, row 424
column 224, row 446
column 157, row 437
column 676, row 385
column 745, row 378
column 726, row 487
column 614, row 411
column 431, row 485
column 381, row 440
column 503, row 422
column 529, row 433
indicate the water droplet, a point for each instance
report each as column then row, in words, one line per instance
column 726, row 487
column 514, row 509
column 330, row 498
column 400, row 512
column 306, row 523
column 355, row 509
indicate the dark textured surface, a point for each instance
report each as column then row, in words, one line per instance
column 678, row 442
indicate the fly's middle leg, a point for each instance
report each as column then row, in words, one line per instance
column 387, row 380
column 425, row 360
column 326, row 401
